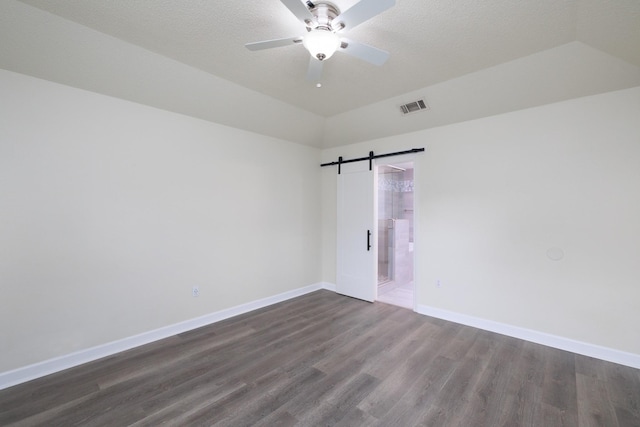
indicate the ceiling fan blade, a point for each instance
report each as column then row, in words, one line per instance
column 365, row 52
column 299, row 9
column 362, row 11
column 268, row 44
column 315, row 70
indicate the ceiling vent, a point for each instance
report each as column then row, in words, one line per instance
column 413, row 107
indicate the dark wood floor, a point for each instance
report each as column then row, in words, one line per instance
column 323, row 359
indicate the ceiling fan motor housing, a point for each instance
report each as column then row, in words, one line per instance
column 324, row 13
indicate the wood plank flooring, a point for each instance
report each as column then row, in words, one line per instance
column 328, row 360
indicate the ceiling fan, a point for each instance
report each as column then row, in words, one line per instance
column 325, row 23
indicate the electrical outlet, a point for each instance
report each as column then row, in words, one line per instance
column 195, row 291
column 438, row 283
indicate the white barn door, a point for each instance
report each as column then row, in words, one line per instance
column 356, row 246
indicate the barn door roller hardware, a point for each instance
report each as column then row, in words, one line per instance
column 370, row 158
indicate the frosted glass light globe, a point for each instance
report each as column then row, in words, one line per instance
column 321, row 43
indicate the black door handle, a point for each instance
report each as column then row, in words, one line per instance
column 368, row 240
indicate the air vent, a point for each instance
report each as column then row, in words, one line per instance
column 414, row 106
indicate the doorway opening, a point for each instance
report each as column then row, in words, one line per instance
column 395, row 234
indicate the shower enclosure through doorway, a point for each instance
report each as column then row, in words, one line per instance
column 395, row 230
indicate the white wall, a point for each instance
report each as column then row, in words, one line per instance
column 558, row 74
column 40, row 44
column 111, row 211
column 494, row 194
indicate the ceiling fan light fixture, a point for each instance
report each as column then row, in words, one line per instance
column 321, row 43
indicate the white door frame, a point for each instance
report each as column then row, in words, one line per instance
column 404, row 158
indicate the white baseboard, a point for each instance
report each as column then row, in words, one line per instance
column 37, row 370
column 579, row 347
column 329, row 286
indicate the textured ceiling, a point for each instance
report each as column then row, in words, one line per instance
column 429, row 41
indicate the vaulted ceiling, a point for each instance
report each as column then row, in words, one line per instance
column 431, row 43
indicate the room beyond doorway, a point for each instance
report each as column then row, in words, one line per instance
column 395, row 234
